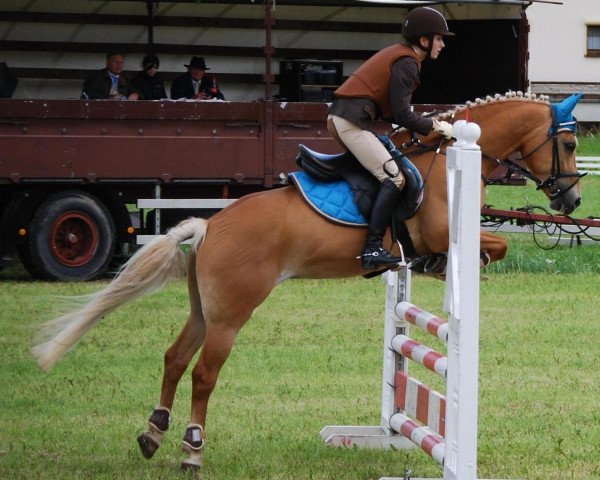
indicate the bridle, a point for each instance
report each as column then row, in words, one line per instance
column 551, row 182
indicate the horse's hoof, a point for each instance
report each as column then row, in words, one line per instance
column 190, row 466
column 147, row 445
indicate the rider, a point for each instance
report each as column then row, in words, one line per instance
column 381, row 88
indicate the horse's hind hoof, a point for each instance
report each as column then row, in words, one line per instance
column 147, row 445
column 190, row 466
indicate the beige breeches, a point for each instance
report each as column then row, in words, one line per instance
column 367, row 148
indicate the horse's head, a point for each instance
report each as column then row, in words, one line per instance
column 551, row 159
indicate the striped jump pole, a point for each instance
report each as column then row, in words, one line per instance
column 412, row 413
column 433, row 324
column 429, row 358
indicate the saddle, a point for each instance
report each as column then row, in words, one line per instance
column 328, row 168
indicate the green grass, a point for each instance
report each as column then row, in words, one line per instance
column 588, row 145
column 311, row 356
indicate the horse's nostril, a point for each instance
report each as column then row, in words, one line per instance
column 577, row 202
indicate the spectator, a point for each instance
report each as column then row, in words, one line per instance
column 194, row 84
column 109, row 82
column 147, row 82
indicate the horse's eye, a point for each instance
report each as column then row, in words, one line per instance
column 570, row 146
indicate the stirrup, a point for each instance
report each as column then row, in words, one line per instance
column 378, row 257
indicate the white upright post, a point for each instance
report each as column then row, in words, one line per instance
column 397, row 290
column 464, row 177
column 381, row 436
column 456, row 450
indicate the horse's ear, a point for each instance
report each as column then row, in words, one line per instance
column 567, row 106
column 562, row 113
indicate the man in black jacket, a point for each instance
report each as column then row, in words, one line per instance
column 194, row 84
column 109, row 82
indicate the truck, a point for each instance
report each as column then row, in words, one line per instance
column 84, row 182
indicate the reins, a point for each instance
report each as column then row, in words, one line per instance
column 555, row 173
column 550, row 183
column 415, row 142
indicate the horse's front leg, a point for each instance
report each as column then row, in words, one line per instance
column 493, row 248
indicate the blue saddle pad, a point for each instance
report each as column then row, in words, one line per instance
column 333, row 200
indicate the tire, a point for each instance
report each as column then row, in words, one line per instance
column 71, row 238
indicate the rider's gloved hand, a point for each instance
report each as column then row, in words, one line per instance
column 444, row 128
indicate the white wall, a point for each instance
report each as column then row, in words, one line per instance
column 557, row 42
column 557, row 48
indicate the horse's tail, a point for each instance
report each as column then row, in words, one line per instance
column 146, row 271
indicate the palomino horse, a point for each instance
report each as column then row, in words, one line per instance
column 272, row 236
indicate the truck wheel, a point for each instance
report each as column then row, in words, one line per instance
column 71, row 237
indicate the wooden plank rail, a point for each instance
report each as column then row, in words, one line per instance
column 171, row 48
column 198, row 22
column 590, row 165
column 82, row 74
column 530, row 217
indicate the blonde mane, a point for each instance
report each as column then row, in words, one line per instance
column 507, row 97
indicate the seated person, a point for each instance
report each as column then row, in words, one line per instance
column 194, row 84
column 147, row 82
column 109, row 82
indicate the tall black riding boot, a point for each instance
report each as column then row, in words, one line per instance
column 374, row 255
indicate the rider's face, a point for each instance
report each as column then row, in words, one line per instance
column 438, row 45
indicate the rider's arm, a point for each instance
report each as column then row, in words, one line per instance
column 405, row 77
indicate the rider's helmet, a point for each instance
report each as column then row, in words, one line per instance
column 424, row 21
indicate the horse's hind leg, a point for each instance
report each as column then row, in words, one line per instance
column 226, row 310
column 217, row 347
column 176, row 360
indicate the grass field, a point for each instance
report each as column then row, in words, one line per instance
column 588, row 145
column 310, row 357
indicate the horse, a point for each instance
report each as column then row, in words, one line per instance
column 240, row 254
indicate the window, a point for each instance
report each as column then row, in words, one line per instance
column 593, row 41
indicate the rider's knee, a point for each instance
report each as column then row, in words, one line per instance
column 393, row 173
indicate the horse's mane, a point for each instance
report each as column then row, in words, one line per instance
column 507, row 97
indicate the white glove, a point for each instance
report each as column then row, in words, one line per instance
column 444, row 128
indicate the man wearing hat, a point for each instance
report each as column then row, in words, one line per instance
column 194, row 84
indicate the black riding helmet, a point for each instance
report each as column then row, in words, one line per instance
column 424, row 22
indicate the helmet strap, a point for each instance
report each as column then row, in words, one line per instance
column 427, row 50
column 430, row 47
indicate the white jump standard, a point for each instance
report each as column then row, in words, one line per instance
column 412, row 413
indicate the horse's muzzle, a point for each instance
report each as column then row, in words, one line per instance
column 564, row 195
column 566, row 203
